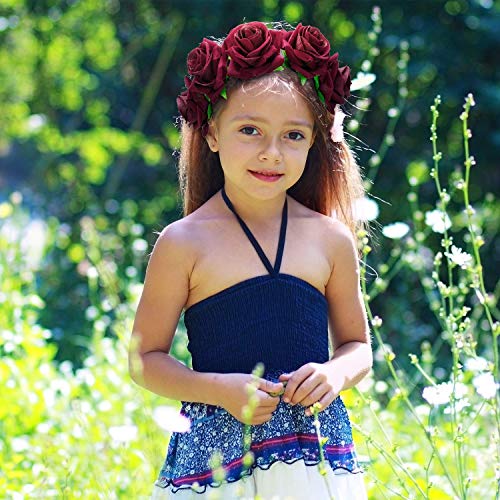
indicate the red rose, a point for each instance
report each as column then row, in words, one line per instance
column 334, row 83
column 253, row 50
column 343, row 83
column 207, row 64
column 193, row 108
column 307, row 50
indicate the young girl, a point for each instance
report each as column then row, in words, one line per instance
column 264, row 173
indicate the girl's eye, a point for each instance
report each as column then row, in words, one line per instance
column 295, row 136
column 249, row 131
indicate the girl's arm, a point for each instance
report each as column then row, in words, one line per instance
column 166, row 290
column 352, row 358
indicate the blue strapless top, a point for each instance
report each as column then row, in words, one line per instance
column 277, row 319
column 281, row 321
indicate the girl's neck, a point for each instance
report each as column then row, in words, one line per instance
column 255, row 211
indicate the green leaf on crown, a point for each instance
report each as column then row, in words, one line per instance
column 321, row 96
column 223, row 93
column 316, row 82
column 209, row 111
column 303, row 79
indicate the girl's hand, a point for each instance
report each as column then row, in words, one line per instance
column 234, row 396
column 311, row 383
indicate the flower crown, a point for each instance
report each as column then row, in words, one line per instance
column 252, row 50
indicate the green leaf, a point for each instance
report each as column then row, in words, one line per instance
column 303, row 79
column 321, row 96
column 209, row 111
column 223, row 93
column 316, row 82
column 280, row 68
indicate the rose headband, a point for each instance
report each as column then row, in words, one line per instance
column 252, row 50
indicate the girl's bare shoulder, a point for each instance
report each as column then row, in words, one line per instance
column 333, row 235
column 184, row 236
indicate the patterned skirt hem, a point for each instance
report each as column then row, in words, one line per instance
column 164, row 482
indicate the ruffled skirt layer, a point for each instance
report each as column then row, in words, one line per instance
column 286, row 454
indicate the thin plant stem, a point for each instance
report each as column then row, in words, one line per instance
column 477, row 241
column 315, row 409
column 389, row 361
column 447, row 292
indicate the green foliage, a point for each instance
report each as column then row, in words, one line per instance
column 66, row 432
column 87, row 97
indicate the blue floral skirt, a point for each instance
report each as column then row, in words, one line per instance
column 286, row 454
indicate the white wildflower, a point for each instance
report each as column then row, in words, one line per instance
column 459, row 257
column 169, row 419
column 396, row 230
column 438, row 394
column 460, row 390
column 365, row 209
column 477, row 364
column 437, row 220
column 485, row 385
column 123, row 433
column 459, row 406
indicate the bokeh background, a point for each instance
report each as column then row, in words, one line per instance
column 88, row 149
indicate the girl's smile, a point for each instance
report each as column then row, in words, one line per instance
column 267, row 176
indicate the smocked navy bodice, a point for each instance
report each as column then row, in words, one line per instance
column 277, row 319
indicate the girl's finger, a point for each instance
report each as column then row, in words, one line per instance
column 307, row 387
column 266, row 400
column 295, row 380
column 270, row 387
column 314, row 396
column 324, row 402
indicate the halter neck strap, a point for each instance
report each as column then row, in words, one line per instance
column 255, row 243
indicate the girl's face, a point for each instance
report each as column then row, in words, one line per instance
column 263, row 138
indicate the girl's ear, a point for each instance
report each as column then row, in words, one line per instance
column 211, row 137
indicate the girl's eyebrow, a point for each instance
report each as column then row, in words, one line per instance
column 253, row 118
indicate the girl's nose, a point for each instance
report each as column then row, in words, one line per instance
column 271, row 153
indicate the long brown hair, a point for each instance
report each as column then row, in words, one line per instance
column 331, row 181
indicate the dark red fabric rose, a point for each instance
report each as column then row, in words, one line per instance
column 253, row 50
column 327, row 80
column 334, row 83
column 307, row 50
column 343, row 83
column 193, row 108
column 207, row 64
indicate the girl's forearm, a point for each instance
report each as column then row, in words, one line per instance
column 351, row 362
column 164, row 375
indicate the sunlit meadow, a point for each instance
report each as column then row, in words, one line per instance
column 423, row 428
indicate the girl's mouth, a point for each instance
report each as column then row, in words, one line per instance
column 266, row 177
